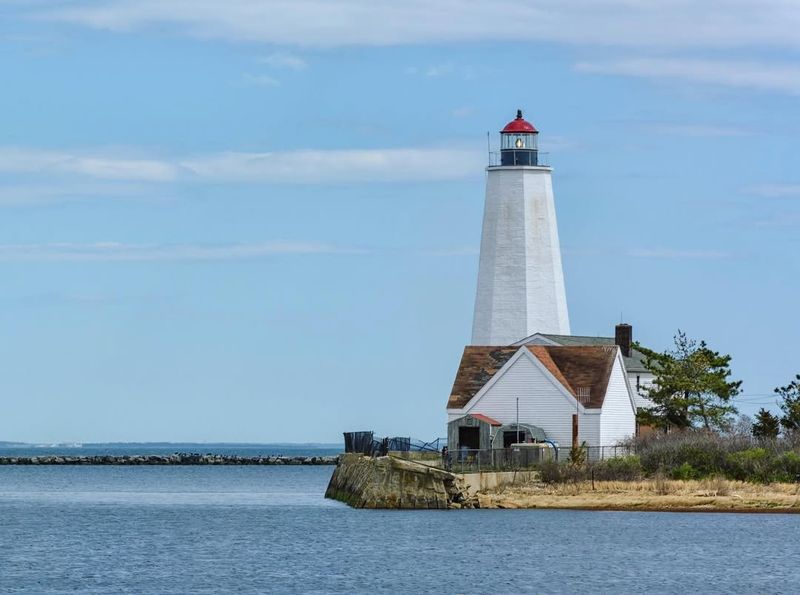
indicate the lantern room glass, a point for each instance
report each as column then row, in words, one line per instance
column 518, row 141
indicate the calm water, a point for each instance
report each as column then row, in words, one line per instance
column 268, row 529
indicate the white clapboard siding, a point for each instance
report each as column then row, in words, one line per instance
column 588, row 428
column 542, row 402
column 618, row 421
column 639, row 383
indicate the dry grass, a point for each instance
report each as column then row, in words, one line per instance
column 716, row 486
column 662, row 485
column 653, row 494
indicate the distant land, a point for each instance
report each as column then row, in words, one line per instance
column 166, row 448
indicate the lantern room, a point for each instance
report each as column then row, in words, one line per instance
column 518, row 143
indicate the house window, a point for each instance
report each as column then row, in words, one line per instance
column 638, row 385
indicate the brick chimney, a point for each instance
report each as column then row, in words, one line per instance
column 623, row 336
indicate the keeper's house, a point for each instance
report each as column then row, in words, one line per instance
column 564, row 394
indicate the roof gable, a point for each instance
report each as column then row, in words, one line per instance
column 578, row 369
column 634, row 363
column 581, row 369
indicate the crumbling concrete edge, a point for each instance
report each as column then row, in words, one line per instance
column 394, row 483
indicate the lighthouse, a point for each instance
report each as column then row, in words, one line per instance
column 520, row 277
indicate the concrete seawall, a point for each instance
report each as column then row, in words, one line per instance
column 174, row 459
column 396, row 482
column 391, row 482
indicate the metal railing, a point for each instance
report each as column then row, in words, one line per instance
column 467, row 460
column 594, row 454
column 521, row 157
column 368, row 444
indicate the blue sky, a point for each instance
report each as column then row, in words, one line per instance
column 259, row 221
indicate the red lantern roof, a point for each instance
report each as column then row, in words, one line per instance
column 519, row 125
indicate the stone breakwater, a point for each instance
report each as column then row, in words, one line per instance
column 173, row 459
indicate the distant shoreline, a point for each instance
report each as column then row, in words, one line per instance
column 10, row 450
column 159, row 444
column 172, row 459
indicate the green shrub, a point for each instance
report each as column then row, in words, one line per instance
column 697, row 454
column 566, row 472
column 705, row 462
column 571, row 473
column 754, row 464
column 619, row 469
column 704, row 451
column 685, row 471
column 550, row 472
column 577, row 456
column 786, row 467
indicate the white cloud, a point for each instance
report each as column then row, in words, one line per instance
column 284, row 60
column 447, row 69
column 775, row 190
column 260, row 80
column 73, row 190
column 462, row 112
column 667, row 23
column 313, row 167
column 669, row 253
column 119, row 252
column 560, row 144
column 107, row 167
column 438, row 70
column 284, row 167
column 764, row 76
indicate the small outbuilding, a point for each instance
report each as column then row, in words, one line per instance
column 564, row 394
column 481, row 432
column 517, row 433
column 473, row 431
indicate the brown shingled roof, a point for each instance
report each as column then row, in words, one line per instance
column 577, row 368
column 478, row 365
column 583, row 367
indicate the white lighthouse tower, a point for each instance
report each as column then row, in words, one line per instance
column 520, row 279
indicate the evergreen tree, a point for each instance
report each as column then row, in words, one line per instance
column 790, row 404
column 766, row 425
column 692, row 386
